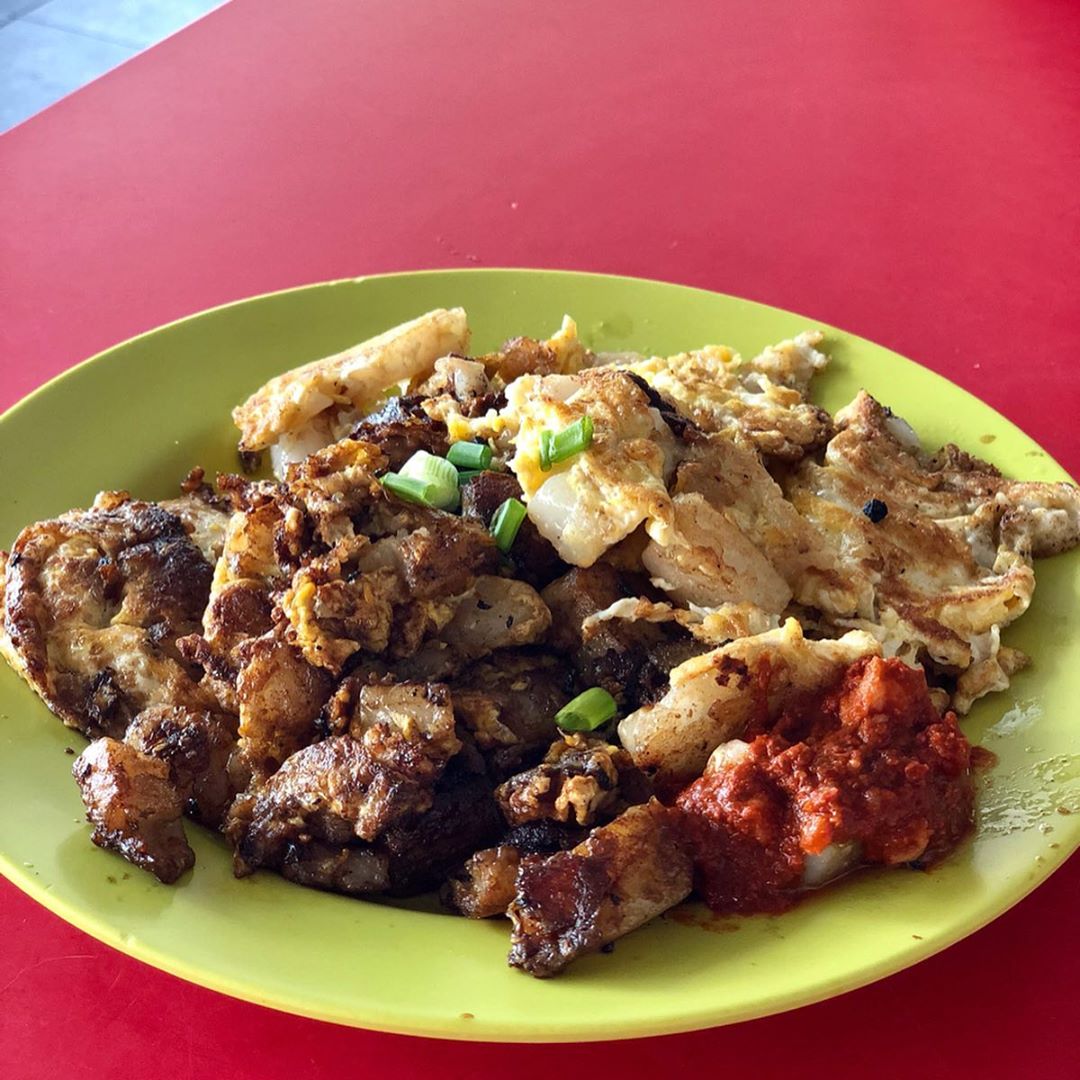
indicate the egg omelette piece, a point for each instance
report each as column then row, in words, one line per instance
column 939, row 545
column 762, row 401
column 94, row 601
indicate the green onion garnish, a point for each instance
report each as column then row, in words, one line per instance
column 470, row 455
column 425, row 466
column 546, row 438
column 556, row 446
column 505, row 523
column 587, row 711
column 410, row 490
column 465, row 475
column 439, row 476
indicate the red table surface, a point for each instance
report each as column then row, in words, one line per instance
column 907, row 171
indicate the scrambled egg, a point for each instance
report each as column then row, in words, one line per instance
column 564, row 353
column 934, row 581
column 761, row 399
column 938, row 546
column 590, row 502
column 716, row 625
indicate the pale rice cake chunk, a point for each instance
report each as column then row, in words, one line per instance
column 590, row 502
column 714, row 696
column 349, row 380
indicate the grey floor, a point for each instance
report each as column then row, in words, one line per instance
column 51, row 47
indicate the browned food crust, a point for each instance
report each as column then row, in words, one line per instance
column 400, row 428
column 93, row 604
column 195, row 746
column 583, row 780
column 134, row 807
column 534, row 559
column 623, row 875
column 486, row 885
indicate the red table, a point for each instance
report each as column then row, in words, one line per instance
column 907, row 171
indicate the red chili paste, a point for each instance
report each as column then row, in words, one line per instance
column 868, row 762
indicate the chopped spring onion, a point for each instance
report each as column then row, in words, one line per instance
column 546, row 447
column 437, row 474
column 465, row 475
column 408, row 489
column 505, row 523
column 556, row 446
column 587, row 711
column 469, row 455
column 425, row 466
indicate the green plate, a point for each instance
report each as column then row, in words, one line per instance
column 139, row 415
